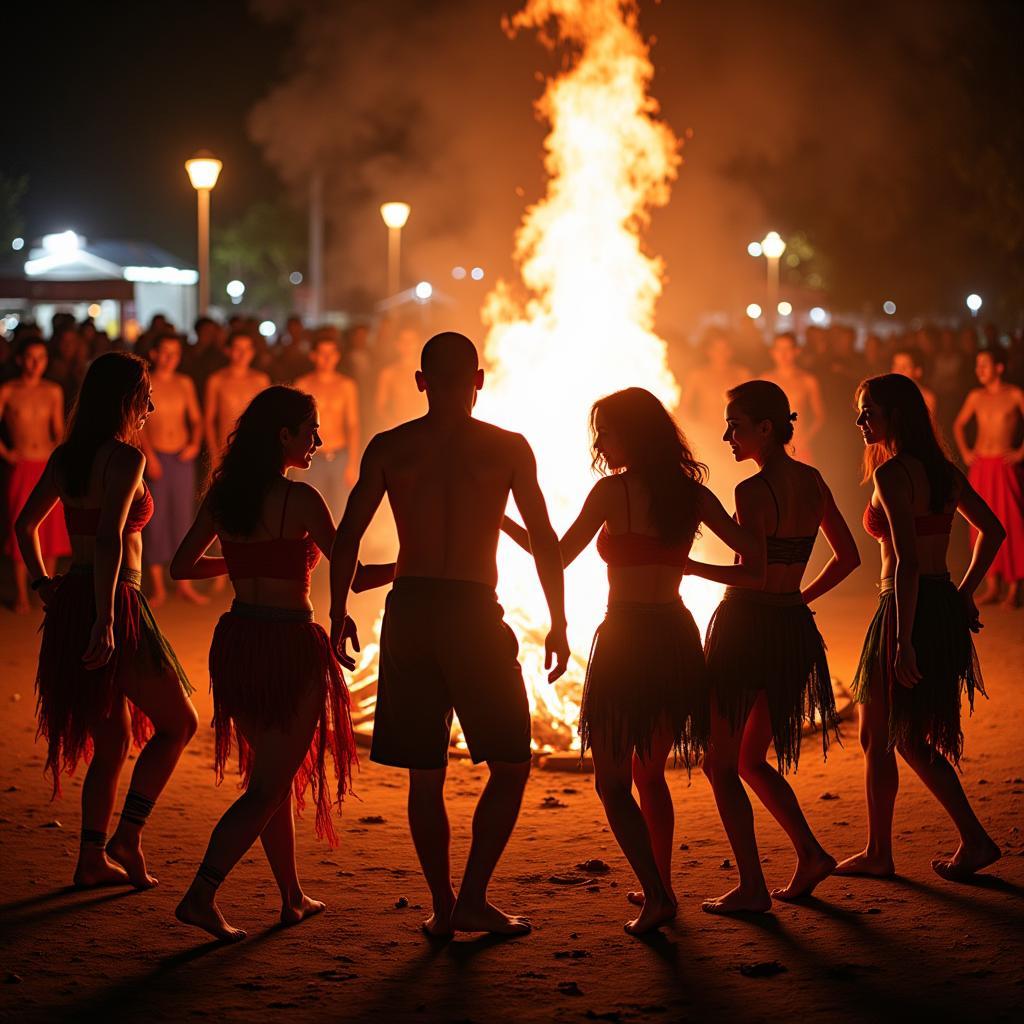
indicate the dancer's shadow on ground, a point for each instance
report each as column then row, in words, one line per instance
column 10, row 913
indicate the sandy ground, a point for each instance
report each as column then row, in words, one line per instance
column 860, row 950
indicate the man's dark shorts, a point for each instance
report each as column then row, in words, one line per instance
column 444, row 647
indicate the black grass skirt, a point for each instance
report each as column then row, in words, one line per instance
column 646, row 674
column 759, row 641
column 930, row 711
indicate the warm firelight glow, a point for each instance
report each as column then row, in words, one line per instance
column 581, row 324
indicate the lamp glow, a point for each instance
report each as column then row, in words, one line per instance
column 17, row 244
column 235, row 289
column 203, row 170
column 424, row 290
column 889, row 307
column 753, row 311
column 772, row 245
column 395, row 214
column 268, row 328
column 477, row 273
column 754, row 249
column 459, row 273
column 973, row 302
column 818, row 316
column 785, row 308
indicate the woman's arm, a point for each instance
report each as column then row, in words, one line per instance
column 373, row 575
column 845, row 556
column 746, row 537
column 517, row 532
column 190, row 561
column 316, row 517
column 894, row 491
column 590, row 519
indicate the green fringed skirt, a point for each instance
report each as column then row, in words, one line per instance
column 762, row 642
column 930, row 711
column 646, row 675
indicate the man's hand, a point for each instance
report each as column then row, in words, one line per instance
column 969, row 458
column 1014, row 456
column 189, row 453
column 343, row 630
column 556, row 650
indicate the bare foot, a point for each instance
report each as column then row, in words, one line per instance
column 654, row 915
column 866, row 865
column 488, row 918
column 637, row 897
column 93, row 871
column 736, row 901
column 806, row 877
column 189, row 593
column 439, row 924
column 205, row 914
column 298, row 910
column 967, row 861
column 128, row 853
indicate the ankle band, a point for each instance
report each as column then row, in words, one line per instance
column 136, row 808
column 210, row 875
column 91, row 837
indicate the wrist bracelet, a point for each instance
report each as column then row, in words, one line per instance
column 36, row 584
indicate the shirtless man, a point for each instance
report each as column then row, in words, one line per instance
column 996, row 467
column 335, row 468
column 32, row 409
column 803, row 393
column 229, row 391
column 170, row 441
column 444, row 645
column 910, row 363
column 395, row 401
column 704, row 388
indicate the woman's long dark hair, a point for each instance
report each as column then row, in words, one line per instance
column 658, row 453
column 113, row 399
column 253, row 457
column 912, row 432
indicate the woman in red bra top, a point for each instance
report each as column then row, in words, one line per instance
column 645, row 679
column 277, row 686
column 767, row 669
column 918, row 657
column 106, row 674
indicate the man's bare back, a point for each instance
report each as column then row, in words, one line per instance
column 33, row 412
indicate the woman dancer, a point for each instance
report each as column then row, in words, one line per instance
column 106, row 674
column 277, row 686
column 766, row 659
column 918, row 657
column 646, row 673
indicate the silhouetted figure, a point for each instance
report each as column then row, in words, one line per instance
column 444, row 645
column 802, row 391
column 106, row 674
column 766, row 659
column 918, row 657
column 646, row 678
column 278, row 690
column 996, row 466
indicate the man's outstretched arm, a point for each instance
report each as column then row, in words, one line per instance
column 362, row 504
column 544, row 544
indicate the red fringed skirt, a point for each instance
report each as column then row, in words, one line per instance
column 261, row 661
column 72, row 701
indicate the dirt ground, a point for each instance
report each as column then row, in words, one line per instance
column 913, row 948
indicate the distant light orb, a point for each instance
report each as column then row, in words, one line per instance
column 424, row 290
column 268, row 328
column 17, row 244
column 753, row 311
column 95, row 310
column 477, row 273
column 772, row 245
column 973, row 302
column 235, row 289
column 818, row 316
column 889, row 307
column 295, row 277
column 754, row 249
column 10, row 322
column 459, row 273
column 785, row 308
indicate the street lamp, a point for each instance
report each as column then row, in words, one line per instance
column 203, row 170
column 772, row 246
column 973, row 303
column 395, row 215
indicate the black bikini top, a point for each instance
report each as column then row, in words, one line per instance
column 786, row 550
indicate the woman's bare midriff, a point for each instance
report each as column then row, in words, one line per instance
column 644, row 584
column 273, row 593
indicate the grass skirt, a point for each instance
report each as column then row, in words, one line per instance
column 646, row 673
column 72, row 701
column 930, row 711
column 261, row 661
column 759, row 641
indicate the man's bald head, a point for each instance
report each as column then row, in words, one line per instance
column 449, row 360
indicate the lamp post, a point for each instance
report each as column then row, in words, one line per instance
column 203, row 170
column 395, row 215
column 772, row 246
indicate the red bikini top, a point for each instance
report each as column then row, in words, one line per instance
column 625, row 549
column 931, row 524
column 85, row 522
column 279, row 558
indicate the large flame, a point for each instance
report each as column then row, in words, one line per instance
column 580, row 326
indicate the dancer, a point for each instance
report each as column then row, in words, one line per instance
column 444, row 645
column 32, row 410
column 646, row 676
column 918, row 657
column 996, row 467
column 277, row 687
column 766, row 660
column 171, row 440
column 106, row 674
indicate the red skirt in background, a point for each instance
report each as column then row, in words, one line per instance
column 261, row 661
column 53, row 534
column 1002, row 487
column 73, row 701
